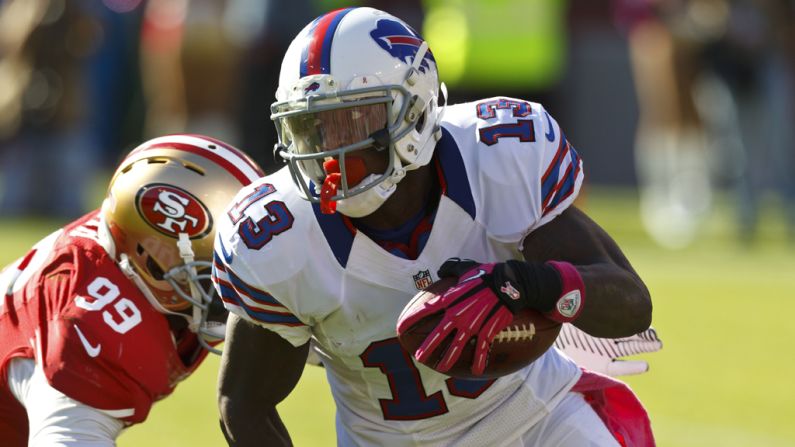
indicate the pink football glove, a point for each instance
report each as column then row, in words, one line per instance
column 471, row 309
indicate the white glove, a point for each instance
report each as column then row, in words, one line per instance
column 315, row 355
column 602, row 354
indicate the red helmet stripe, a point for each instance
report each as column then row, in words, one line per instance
column 217, row 159
column 230, row 159
column 315, row 50
column 232, row 149
column 316, row 57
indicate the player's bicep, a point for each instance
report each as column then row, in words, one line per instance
column 573, row 237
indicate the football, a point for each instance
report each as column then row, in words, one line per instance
column 522, row 342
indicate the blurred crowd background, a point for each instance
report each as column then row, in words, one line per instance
column 682, row 99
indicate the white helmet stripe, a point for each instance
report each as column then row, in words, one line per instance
column 220, row 153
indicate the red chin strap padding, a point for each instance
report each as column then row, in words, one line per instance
column 355, row 171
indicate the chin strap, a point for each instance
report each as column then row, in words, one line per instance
column 413, row 74
column 195, row 323
column 187, row 255
column 129, row 271
column 416, row 109
column 437, row 130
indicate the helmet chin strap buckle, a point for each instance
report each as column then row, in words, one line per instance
column 414, row 110
column 413, row 74
column 185, row 248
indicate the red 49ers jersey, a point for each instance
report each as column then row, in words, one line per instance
column 68, row 305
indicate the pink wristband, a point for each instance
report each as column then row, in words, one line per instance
column 572, row 297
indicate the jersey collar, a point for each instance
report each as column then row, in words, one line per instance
column 340, row 232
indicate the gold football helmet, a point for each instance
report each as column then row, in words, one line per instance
column 159, row 221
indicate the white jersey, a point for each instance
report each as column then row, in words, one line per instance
column 505, row 169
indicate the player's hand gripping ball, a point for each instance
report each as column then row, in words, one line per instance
column 458, row 326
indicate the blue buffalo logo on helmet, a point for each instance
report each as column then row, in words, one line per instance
column 400, row 41
column 171, row 210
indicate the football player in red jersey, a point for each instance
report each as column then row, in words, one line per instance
column 106, row 315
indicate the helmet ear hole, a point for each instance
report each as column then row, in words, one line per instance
column 421, row 122
column 139, row 249
column 154, row 269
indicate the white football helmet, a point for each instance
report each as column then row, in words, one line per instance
column 159, row 222
column 356, row 79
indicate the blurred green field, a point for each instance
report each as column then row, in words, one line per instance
column 724, row 377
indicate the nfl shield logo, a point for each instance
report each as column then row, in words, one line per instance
column 422, row 279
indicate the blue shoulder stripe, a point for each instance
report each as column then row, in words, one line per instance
column 338, row 236
column 566, row 186
column 454, row 173
column 228, row 295
column 550, row 177
column 257, row 295
column 218, row 264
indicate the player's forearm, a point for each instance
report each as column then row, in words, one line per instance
column 617, row 301
column 258, row 370
column 252, row 428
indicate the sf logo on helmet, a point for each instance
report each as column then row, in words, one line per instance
column 172, row 210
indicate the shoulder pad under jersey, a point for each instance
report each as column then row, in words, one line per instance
column 522, row 170
column 97, row 338
column 262, row 243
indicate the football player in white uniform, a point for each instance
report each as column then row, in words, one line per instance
column 384, row 184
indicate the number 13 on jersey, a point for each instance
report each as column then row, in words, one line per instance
column 522, row 129
column 409, row 400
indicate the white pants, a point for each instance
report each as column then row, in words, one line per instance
column 573, row 423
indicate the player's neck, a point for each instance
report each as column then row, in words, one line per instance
column 407, row 201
